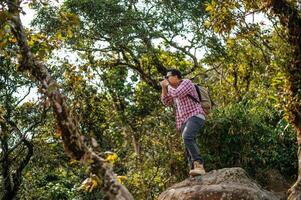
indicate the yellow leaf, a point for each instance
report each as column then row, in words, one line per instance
column 121, row 178
column 72, row 161
column 59, row 35
column 89, row 184
column 207, row 24
column 69, row 33
column 30, row 42
column 209, row 8
column 230, row 42
column 13, row 40
column 216, row 29
column 112, row 158
column 93, row 185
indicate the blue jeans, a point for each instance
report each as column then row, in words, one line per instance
column 190, row 129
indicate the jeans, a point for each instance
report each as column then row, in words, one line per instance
column 190, row 129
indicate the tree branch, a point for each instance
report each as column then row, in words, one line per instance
column 193, row 57
column 71, row 136
column 137, row 67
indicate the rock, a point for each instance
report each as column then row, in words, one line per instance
column 222, row 184
column 275, row 182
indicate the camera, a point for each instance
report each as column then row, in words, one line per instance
column 162, row 78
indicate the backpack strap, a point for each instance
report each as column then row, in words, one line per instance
column 199, row 95
column 198, row 91
column 193, row 98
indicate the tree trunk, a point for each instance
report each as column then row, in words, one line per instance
column 71, row 136
column 290, row 19
column 6, row 183
column 12, row 181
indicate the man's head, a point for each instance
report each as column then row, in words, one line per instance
column 173, row 76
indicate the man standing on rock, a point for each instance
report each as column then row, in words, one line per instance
column 190, row 116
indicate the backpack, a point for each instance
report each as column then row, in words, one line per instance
column 204, row 99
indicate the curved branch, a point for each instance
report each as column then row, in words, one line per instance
column 137, row 67
column 5, row 163
column 193, row 57
column 28, row 92
column 73, row 142
column 17, row 176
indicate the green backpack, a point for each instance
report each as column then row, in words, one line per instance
column 204, row 99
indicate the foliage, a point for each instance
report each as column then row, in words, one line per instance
column 108, row 57
column 251, row 136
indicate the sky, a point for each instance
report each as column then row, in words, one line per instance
column 26, row 19
column 30, row 13
column 27, row 16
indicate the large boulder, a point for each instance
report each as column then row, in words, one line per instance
column 225, row 184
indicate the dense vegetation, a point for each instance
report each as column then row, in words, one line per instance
column 106, row 58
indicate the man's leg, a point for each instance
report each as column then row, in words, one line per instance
column 187, row 154
column 189, row 134
column 189, row 160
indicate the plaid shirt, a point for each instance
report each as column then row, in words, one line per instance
column 185, row 106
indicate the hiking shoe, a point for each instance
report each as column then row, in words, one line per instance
column 198, row 169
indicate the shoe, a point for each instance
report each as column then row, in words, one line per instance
column 198, row 169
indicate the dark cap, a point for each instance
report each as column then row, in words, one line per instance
column 173, row 72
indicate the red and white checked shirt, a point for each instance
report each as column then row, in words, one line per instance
column 185, row 106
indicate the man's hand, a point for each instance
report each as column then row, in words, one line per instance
column 164, row 83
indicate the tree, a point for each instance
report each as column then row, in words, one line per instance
column 18, row 123
column 288, row 13
column 70, row 134
column 289, row 16
column 119, row 34
column 98, row 64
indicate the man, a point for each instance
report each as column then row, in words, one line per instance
column 189, row 115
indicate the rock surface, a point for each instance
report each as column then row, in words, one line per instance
column 223, row 184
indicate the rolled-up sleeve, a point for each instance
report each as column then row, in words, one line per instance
column 167, row 100
column 184, row 88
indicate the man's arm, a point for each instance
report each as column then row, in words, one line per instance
column 165, row 97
